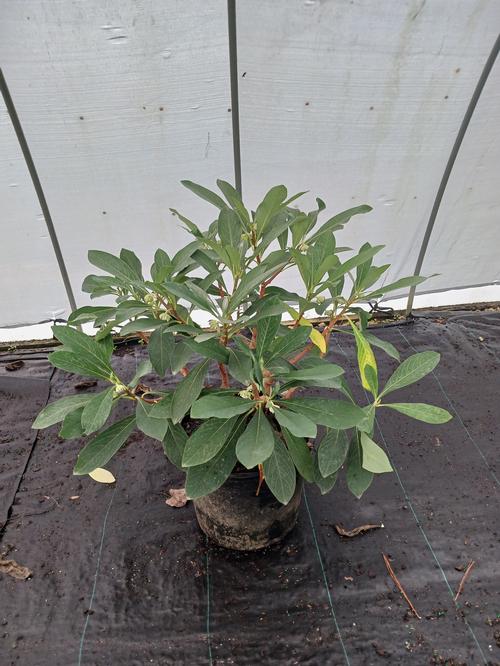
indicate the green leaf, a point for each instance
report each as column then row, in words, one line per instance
column 301, row 455
column 114, row 265
column 90, row 313
column 250, row 281
column 298, row 424
column 323, row 411
column 229, row 227
column 188, row 390
column 56, row 411
column 174, row 443
column 133, row 261
column 160, row 349
column 234, row 199
column 366, row 361
column 279, row 472
column 325, row 484
column 207, row 441
column 269, row 206
column 332, row 452
column 290, row 342
column 182, row 354
column 80, row 365
column 79, row 343
column 240, row 366
column 351, row 263
column 72, row 425
column 149, row 425
column 190, row 292
column 389, row 348
column 204, row 193
column 358, row 478
column 411, row 370
column 421, row 411
column 211, row 349
column 97, row 410
column 374, row 459
column 220, row 406
column 103, row 447
column 339, row 219
column 203, row 479
column 318, row 372
column 266, row 332
column 163, row 408
column 257, row 442
column 144, row 368
column 399, row 284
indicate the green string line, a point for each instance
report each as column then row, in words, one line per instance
column 207, row 570
column 87, row 619
column 420, row 527
column 325, row 579
column 453, row 408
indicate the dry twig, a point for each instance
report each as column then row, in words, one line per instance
column 399, row 586
column 356, row 530
column 464, row 578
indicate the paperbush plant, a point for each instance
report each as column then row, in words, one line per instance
column 259, row 416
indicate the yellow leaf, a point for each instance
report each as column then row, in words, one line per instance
column 317, row 339
column 303, row 321
column 102, row 475
column 366, row 359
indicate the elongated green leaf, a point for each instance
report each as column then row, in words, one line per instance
column 188, row 390
column 203, row 479
column 319, row 372
column 331, row 413
column 207, row 441
column 144, row 368
column 113, row 265
column 97, row 410
column 339, row 219
column 421, row 411
column 163, row 408
column 358, row 478
column 399, row 284
column 411, row 370
column 181, row 355
column 234, row 199
column 90, row 313
column 266, row 332
column 160, row 349
column 351, row 263
column 325, row 484
column 191, row 293
column 79, row 343
column 150, row 426
column 56, row 411
column 240, row 366
column 269, row 206
column 301, row 455
column 220, row 406
column 143, row 324
column 190, row 226
column 103, row 447
column 279, row 472
column 264, row 307
column 374, row 459
column 229, row 227
column 290, row 342
column 72, row 425
column 133, row 261
column 389, row 348
column 298, row 424
column 174, row 443
column 332, row 452
column 79, row 364
column 204, row 193
column 366, row 361
column 257, row 442
column 251, row 280
column 211, row 349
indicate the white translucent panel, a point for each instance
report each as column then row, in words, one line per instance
column 465, row 242
column 31, row 288
column 119, row 100
column 360, row 102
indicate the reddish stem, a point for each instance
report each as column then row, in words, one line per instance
column 224, row 376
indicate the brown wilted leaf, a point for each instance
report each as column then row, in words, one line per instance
column 12, row 568
column 88, row 383
column 15, row 365
column 177, row 497
column 356, row 530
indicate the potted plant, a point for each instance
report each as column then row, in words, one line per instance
column 244, row 444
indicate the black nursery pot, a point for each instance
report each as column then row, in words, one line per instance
column 234, row 517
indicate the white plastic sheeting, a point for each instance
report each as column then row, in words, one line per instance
column 358, row 102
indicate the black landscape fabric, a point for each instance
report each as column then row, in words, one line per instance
column 119, row 577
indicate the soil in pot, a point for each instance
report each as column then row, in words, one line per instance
column 234, row 517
